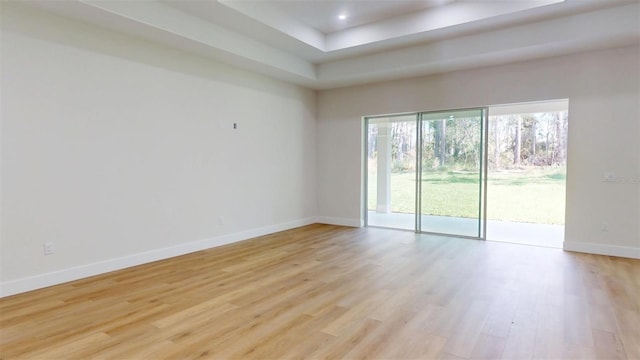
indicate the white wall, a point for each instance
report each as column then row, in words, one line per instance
column 120, row 151
column 604, row 135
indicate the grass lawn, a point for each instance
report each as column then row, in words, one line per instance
column 535, row 196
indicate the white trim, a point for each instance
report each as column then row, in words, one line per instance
column 17, row 286
column 340, row 221
column 601, row 249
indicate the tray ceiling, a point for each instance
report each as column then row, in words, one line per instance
column 304, row 42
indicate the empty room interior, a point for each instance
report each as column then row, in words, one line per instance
column 274, row 179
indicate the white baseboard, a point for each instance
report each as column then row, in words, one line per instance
column 601, row 249
column 17, row 286
column 340, row 221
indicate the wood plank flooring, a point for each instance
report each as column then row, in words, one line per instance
column 329, row 292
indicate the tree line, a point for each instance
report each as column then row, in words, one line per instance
column 515, row 141
column 520, row 140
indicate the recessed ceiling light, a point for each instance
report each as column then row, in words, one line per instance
column 342, row 16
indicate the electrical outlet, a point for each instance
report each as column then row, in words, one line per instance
column 221, row 220
column 48, row 248
column 604, row 227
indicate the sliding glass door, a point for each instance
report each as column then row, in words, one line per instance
column 450, row 184
column 425, row 172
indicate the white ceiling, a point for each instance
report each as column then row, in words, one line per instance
column 323, row 15
column 303, row 42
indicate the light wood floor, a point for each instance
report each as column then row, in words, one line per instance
column 324, row 291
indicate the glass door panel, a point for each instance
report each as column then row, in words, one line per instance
column 391, row 171
column 451, row 177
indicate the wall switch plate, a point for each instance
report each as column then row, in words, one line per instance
column 48, row 248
